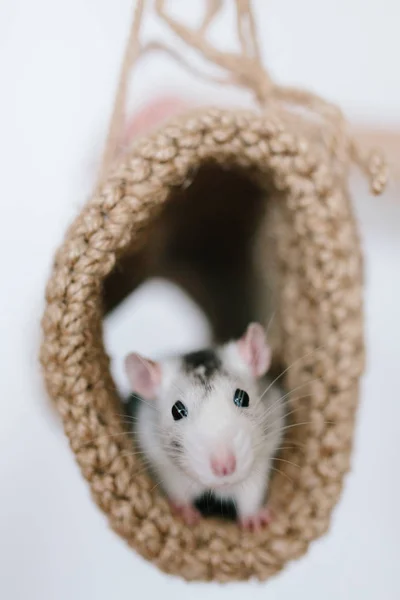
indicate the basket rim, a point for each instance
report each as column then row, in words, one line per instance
column 76, row 367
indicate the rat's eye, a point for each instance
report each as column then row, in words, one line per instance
column 241, row 398
column 179, row 411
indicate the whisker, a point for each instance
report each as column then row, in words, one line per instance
column 127, row 420
column 270, row 424
column 289, row 367
column 141, row 399
column 294, row 444
column 143, row 458
column 235, row 505
column 287, row 414
column 290, row 448
column 303, row 423
column 272, row 317
column 282, row 473
column 288, row 462
column 290, row 392
column 133, row 453
column 159, row 483
column 101, row 438
column 136, row 473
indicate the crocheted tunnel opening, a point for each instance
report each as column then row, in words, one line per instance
column 250, row 216
column 203, row 240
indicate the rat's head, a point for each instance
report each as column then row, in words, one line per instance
column 211, row 419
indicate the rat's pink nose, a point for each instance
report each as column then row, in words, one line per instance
column 223, row 464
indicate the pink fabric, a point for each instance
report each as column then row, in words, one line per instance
column 151, row 115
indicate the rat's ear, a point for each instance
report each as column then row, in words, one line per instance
column 254, row 349
column 144, row 375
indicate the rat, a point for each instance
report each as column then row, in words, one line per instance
column 211, row 421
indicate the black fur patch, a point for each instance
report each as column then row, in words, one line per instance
column 203, row 364
column 211, row 506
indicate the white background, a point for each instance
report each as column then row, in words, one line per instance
column 58, row 66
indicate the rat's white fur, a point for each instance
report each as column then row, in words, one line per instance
column 179, row 451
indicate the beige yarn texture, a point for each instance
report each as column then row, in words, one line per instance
column 310, row 228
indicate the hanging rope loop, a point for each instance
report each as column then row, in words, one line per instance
column 244, row 69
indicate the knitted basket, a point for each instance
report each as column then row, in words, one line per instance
column 153, row 212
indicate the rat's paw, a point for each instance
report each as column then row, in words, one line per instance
column 187, row 512
column 258, row 521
